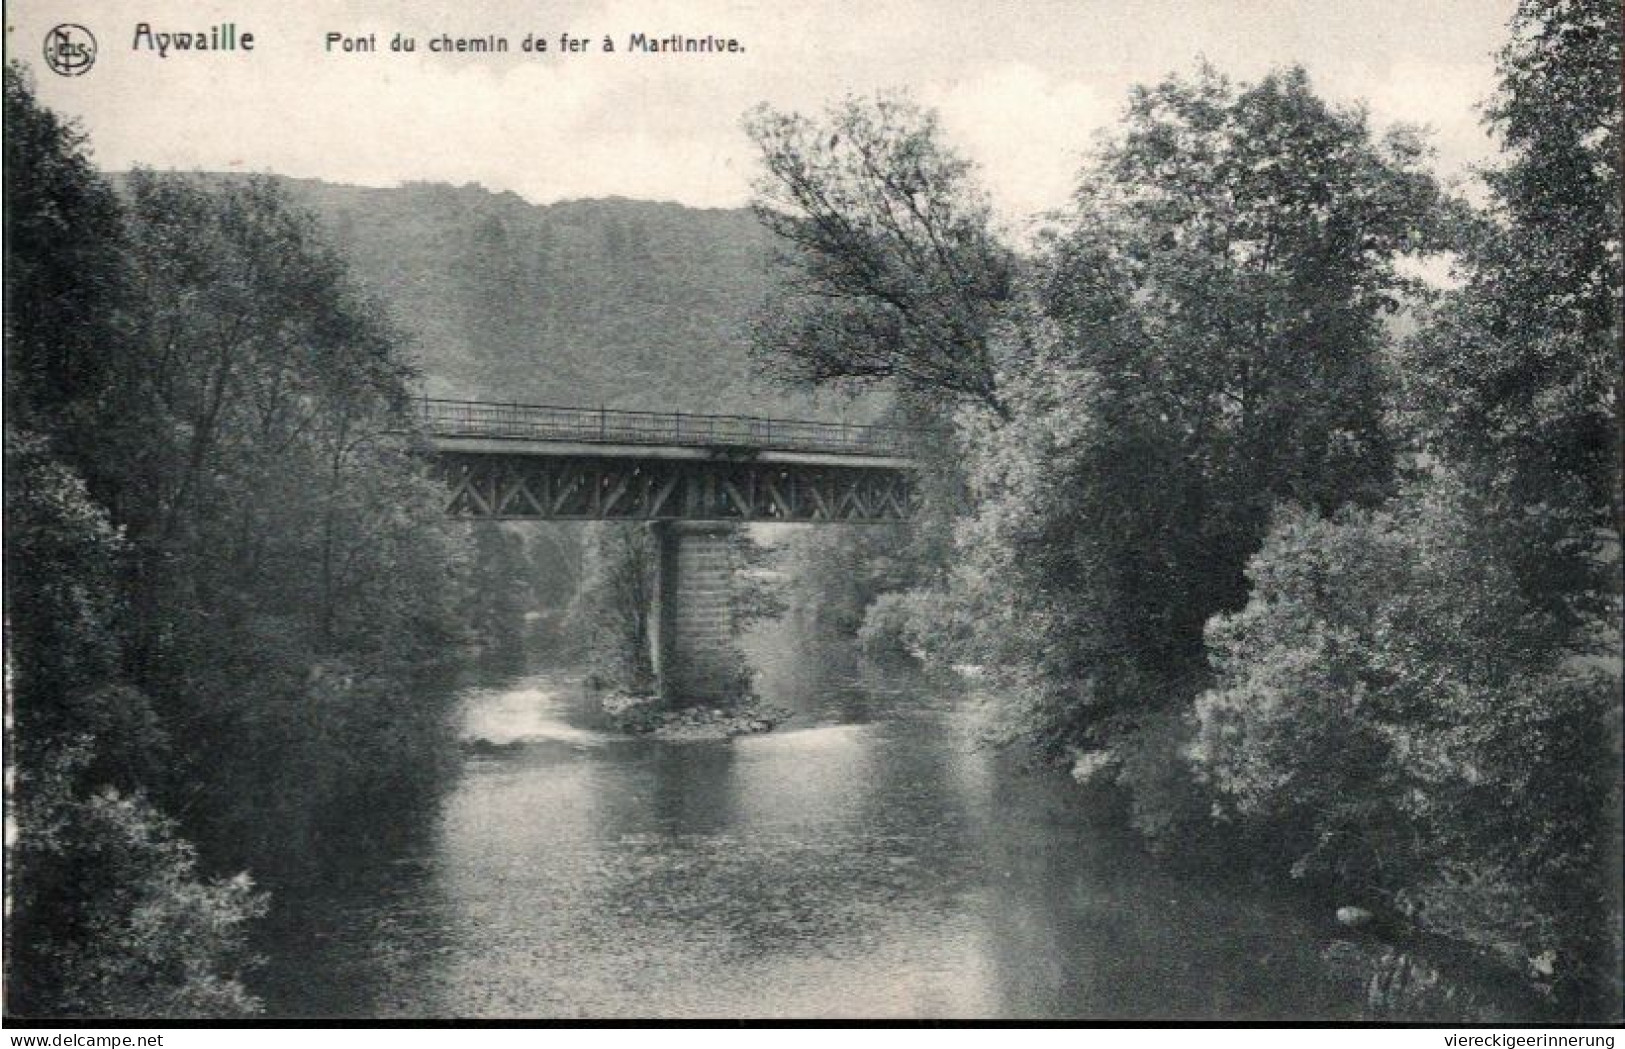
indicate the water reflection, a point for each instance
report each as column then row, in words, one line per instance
column 868, row 859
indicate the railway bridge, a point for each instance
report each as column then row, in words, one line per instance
column 693, row 478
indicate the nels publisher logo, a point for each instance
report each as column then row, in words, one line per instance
column 70, row 50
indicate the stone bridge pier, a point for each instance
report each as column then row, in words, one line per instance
column 696, row 661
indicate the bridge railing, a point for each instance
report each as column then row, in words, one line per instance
column 448, row 418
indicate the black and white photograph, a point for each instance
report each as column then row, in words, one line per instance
column 906, row 511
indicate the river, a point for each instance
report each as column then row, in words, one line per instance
column 871, row 858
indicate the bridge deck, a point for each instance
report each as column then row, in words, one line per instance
column 536, row 462
column 599, row 426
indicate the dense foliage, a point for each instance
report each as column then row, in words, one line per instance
column 108, row 913
column 612, row 612
column 1516, row 380
column 1295, row 584
column 1391, row 708
column 890, row 267
column 1426, row 699
column 222, row 563
column 1203, row 341
column 889, row 271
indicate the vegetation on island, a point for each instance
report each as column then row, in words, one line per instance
column 611, row 623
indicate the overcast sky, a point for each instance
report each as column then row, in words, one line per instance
column 1021, row 86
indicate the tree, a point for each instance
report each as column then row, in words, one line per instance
column 62, row 559
column 107, row 911
column 1516, row 379
column 116, row 920
column 1204, row 339
column 612, row 609
column 835, row 573
column 499, row 586
column 66, row 278
column 890, row 274
column 1257, row 229
column 501, row 329
column 1422, row 700
column 292, row 563
column 891, row 270
column 1390, row 715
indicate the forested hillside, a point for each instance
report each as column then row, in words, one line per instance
column 620, row 303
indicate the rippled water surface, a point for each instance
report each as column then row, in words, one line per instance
column 868, row 859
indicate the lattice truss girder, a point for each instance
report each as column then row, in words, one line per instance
column 586, row 489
